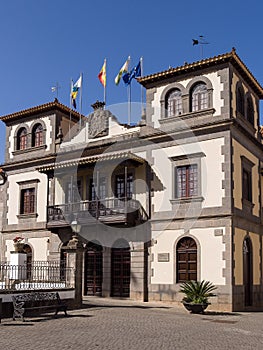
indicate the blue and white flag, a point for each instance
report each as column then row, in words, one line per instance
column 134, row 73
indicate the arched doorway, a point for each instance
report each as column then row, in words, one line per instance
column 120, row 269
column 27, row 249
column 94, row 269
column 186, row 260
column 63, row 261
column 247, row 271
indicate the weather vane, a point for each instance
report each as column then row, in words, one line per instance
column 201, row 41
column 55, row 89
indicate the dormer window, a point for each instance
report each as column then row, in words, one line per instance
column 22, row 139
column 37, row 135
column 199, row 97
column 174, row 103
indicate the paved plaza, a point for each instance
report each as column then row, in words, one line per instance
column 115, row 324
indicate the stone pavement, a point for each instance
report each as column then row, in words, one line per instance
column 114, row 324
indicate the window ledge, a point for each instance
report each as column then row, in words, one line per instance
column 187, row 200
column 245, row 123
column 247, row 205
column 27, row 216
column 201, row 113
column 30, row 149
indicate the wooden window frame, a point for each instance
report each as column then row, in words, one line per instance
column 199, row 99
column 23, row 187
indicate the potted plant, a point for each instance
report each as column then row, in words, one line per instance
column 196, row 295
column 19, row 244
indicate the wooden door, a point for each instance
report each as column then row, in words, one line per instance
column 120, row 272
column 94, row 270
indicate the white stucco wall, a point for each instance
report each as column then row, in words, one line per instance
column 210, row 250
column 211, row 172
column 14, row 195
column 115, row 129
column 218, row 102
column 38, row 245
column 48, row 140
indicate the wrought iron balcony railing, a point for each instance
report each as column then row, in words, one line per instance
column 110, row 211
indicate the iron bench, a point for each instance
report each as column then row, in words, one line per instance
column 42, row 301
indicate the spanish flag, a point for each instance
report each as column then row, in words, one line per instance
column 102, row 74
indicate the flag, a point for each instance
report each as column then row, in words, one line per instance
column 134, row 73
column 74, row 91
column 124, row 69
column 102, row 74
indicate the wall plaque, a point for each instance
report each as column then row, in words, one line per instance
column 163, row 257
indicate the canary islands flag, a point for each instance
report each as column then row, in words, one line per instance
column 75, row 90
column 124, row 69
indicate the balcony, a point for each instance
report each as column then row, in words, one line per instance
column 108, row 211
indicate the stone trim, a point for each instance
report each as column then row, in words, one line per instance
column 19, row 127
column 199, row 254
column 23, row 185
column 149, row 106
column 225, row 93
column 27, row 216
column 30, row 149
column 194, row 158
column 165, row 94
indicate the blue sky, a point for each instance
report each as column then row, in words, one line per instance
column 49, row 41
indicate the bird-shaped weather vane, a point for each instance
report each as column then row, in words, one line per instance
column 201, row 41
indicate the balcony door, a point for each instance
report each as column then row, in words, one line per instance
column 120, row 186
column 93, row 190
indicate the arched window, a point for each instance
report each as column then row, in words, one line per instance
column 250, row 111
column 174, row 103
column 186, row 260
column 240, row 100
column 37, row 135
column 22, row 139
column 199, row 97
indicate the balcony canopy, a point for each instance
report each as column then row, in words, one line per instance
column 91, row 160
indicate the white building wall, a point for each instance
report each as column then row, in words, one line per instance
column 13, row 191
column 211, row 172
column 210, row 249
column 39, row 247
column 48, row 139
column 115, row 129
column 218, row 101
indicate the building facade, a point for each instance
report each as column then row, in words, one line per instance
column 176, row 197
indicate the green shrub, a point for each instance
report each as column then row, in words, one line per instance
column 197, row 292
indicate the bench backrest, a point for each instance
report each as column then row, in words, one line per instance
column 37, row 298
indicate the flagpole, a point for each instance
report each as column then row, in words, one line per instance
column 129, row 93
column 129, row 104
column 141, row 59
column 70, row 105
column 80, row 98
column 105, row 62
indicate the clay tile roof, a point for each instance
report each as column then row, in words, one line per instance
column 209, row 62
column 39, row 109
